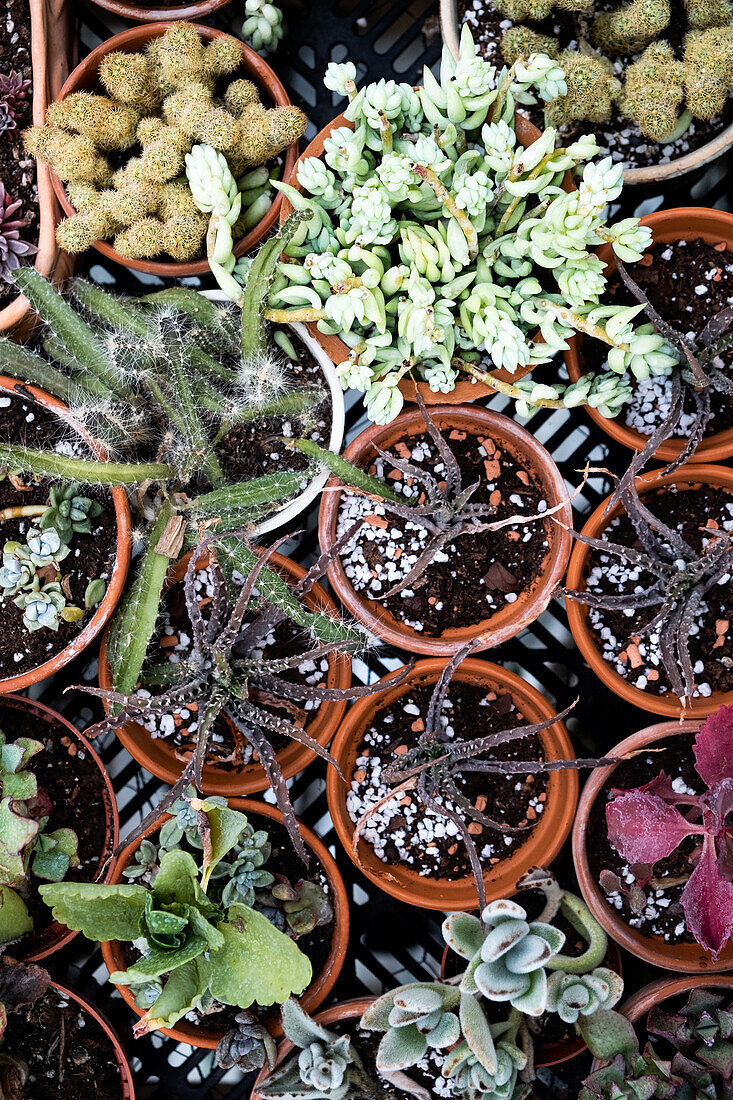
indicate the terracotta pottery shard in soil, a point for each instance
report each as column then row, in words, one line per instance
column 623, row 652
column 645, row 161
column 70, row 1049
column 325, row 947
column 488, row 586
column 74, row 777
column 231, row 769
column 688, row 277
column 133, row 40
column 414, row 862
column 167, row 10
column 92, row 556
column 659, row 935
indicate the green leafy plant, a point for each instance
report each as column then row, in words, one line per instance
column 28, row 849
column 435, row 245
column 166, row 100
column 662, row 91
column 198, row 952
column 161, row 382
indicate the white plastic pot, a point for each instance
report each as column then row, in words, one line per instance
column 294, row 507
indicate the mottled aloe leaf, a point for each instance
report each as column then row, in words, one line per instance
column 15, row 920
column 182, row 993
column 101, row 912
column 256, row 963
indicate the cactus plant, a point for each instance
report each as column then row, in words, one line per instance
column 164, row 101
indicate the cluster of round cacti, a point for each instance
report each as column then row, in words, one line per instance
column 661, row 92
column 158, row 104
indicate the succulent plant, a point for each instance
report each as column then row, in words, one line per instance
column 430, row 234
column 12, row 248
column 13, row 90
column 248, row 1046
column 27, row 849
column 164, row 101
column 263, row 25
column 203, row 950
column 69, row 512
column 20, row 984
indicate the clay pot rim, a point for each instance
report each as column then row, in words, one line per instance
column 685, row 958
column 379, row 621
column 263, row 75
column 716, row 475
column 252, row 779
column 197, row 9
column 657, row 173
column 46, row 258
column 122, row 551
column 320, row 987
column 127, row 1080
column 343, row 1010
column 459, row 895
column 58, row 934
column 713, row 448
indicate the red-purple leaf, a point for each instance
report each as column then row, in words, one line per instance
column 714, row 747
column 707, row 900
column 644, row 828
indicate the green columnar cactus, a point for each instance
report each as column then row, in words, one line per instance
column 165, row 99
column 653, row 92
column 629, row 29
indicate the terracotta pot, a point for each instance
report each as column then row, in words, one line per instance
column 36, row 946
column 545, row 1054
column 690, row 958
column 643, row 1001
column 122, row 559
column 542, row 844
column 141, row 13
column 84, row 78
column 127, row 1081
column 345, row 1010
column 158, row 757
column 668, row 706
column 322, row 984
column 686, row 223
column 655, row 173
column 512, row 618
column 465, row 389
column 52, row 43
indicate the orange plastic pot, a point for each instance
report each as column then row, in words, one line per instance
column 84, row 78
column 122, row 554
column 669, row 706
column 345, row 1010
column 690, row 958
column 465, row 389
column 40, row 945
column 684, row 223
column 52, row 44
column 126, row 1079
column 322, row 984
column 142, row 13
column 542, row 844
column 512, row 618
column 158, row 756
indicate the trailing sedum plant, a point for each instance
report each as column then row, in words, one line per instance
column 199, row 949
column 161, row 382
column 168, row 101
column 28, row 851
column 435, row 244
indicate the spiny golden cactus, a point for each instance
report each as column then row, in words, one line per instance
column 193, row 109
column 522, row 41
column 534, row 11
column 592, row 90
column 164, row 149
column 78, row 233
column 630, row 29
column 72, row 156
column 108, row 124
column 183, row 235
column 181, row 54
column 653, row 91
column 265, row 132
column 177, row 200
column 130, row 78
column 222, row 56
column 708, row 58
column 708, row 13
column 239, row 95
column 140, row 241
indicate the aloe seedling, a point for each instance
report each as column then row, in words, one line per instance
column 27, row 849
column 160, row 382
column 205, row 951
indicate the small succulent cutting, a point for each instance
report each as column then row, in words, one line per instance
column 435, row 244
column 29, row 851
column 700, row 1035
column 179, row 95
column 199, row 949
column 648, row 823
column 12, row 246
column 263, row 25
column 13, row 91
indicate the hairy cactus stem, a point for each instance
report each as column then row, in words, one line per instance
column 505, row 387
column 22, row 363
column 443, row 195
column 514, row 175
column 18, row 511
column 83, row 470
column 579, row 323
column 341, row 468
